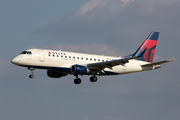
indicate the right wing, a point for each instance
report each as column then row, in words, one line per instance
column 110, row 64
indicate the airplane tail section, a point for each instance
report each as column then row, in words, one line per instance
column 150, row 45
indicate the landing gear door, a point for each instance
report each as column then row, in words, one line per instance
column 41, row 56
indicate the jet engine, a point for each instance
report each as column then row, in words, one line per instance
column 54, row 74
column 79, row 69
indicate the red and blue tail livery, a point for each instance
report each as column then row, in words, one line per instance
column 150, row 45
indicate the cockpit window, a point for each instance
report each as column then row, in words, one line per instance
column 29, row 52
column 26, row 52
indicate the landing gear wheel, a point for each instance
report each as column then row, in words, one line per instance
column 31, row 76
column 32, row 71
column 93, row 79
column 77, row 81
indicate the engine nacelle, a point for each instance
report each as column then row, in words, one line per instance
column 79, row 69
column 54, row 74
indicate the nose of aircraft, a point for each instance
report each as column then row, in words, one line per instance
column 15, row 60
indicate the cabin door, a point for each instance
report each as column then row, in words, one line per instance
column 41, row 56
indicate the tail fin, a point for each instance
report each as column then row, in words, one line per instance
column 150, row 45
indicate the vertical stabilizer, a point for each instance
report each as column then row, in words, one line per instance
column 150, row 45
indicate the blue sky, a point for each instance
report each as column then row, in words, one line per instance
column 110, row 27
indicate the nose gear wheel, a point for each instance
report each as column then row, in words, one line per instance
column 32, row 71
column 31, row 76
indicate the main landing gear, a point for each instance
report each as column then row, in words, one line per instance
column 78, row 80
column 93, row 79
column 32, row 71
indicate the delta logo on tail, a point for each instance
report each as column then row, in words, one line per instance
column 150, row 45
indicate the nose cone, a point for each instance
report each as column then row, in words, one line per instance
column 15, row 60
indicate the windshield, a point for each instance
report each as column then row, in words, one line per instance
column 26, row 52
column 29, row 52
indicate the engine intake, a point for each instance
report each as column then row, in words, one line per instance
column 54, row 74
column 79, row 69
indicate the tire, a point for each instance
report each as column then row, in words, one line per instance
column 31, row 76
column 93, row 79
column 77, row 81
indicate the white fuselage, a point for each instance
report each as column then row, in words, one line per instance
column 63, row 61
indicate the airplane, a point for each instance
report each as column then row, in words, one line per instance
column 61, row 63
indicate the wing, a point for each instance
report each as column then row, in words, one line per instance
column 109, row 64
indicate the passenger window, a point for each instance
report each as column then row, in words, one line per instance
column 61, row 56
column 57, row 55
column 65, row 56
column 53, row 55
column 98, row 59
column 94, row 59
column 86, row 58
column 73, row 57
column 77, row 57
column 90, row 58
column 81, row 58
column 69, row 56
column 103, row 60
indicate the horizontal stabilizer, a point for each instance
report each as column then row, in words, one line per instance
column 156, row 63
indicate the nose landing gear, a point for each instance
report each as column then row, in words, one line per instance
column 32, row 71
column 31, row 76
